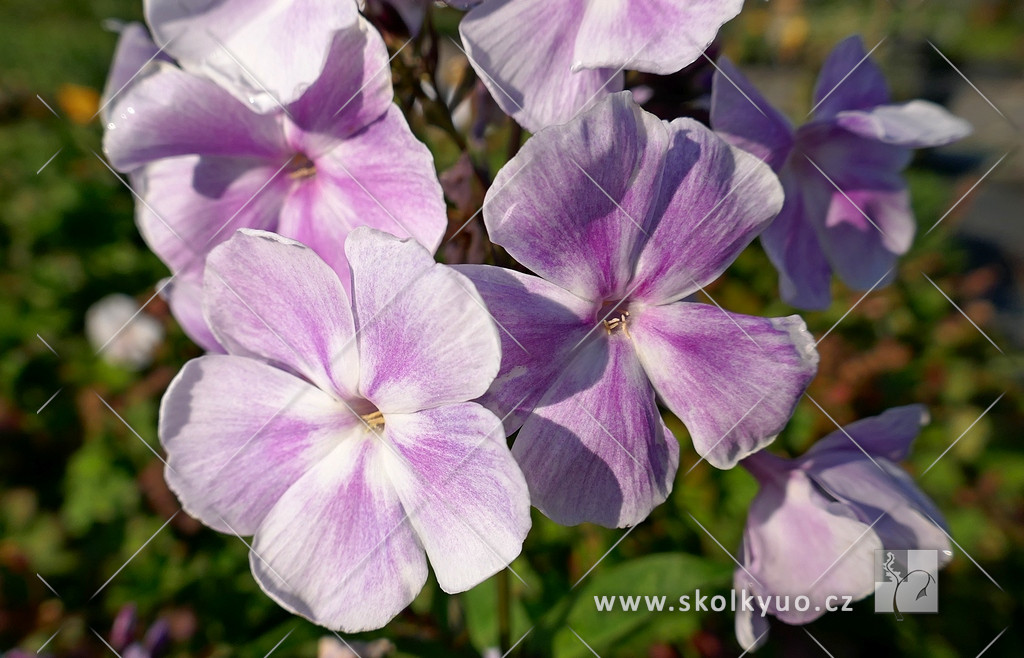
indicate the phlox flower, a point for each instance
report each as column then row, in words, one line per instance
column 338, row 431
column 621, row 217
column 817, row 520
column 204, row 163
column 847, row 209
column 544, row 61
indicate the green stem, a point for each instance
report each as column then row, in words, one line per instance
column 504, row 615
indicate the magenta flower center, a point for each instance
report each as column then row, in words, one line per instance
column 301, row 167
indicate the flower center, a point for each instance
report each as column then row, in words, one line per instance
column 374, row 421
column 300, row 167
column 616, row 322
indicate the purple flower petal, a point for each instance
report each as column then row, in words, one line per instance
column 732, row 379
column 742, row 116
column 520, row 51
column 849, row 80
column 595, row 449
column 265, row 52
column 134, row 50
column 539, row 324
column 712, row 201
column 184, row 294
column 463, row 491
column 271, row 298
column 658, row 36
column 406, row 306
column 751, row 627
column 166, row 112
column 238, row 433
column 338, row 548
column 888, row 435
column 916, row 124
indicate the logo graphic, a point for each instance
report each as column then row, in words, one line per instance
column 906, row 581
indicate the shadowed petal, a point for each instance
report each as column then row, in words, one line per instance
column 917, row 124
column 540, row 324
column 238, row 433
column 425, row 337
column 463, row 491
column 742, row 116
column 134, row 50
column 166, row 112
column 520, row 51
column 601, row 452
column 849, row 80
column 732, row 379
column 338, row 548
column 887, row 435
column 184, row 294
column 274, row 299
column 264, row 51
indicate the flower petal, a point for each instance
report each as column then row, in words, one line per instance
column 595, row 448
column 713, row 200
column 134, row 50
column 184, row 294
column 540, row 324
column 238, row 433
column 916, row 124
column 354, row 88
column 338, row 548
column 887, row 435
column 732, row 379
column 166, row 112
column 522, row 51
column 573, row 204
column 849, row 80
column 803, row 544
column 742, row 116
column 266, row 52
column 274, row 299
column 657, row 36
column 751, row 627
column 425, row 336
column 463, row 491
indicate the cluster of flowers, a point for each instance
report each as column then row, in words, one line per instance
column 353, row 408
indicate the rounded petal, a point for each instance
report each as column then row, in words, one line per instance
column 712, row 201
column 657, row 36
column 887, row 435
column 523, row 54
column 238, row 433
column 463, row 491
column 916, row 124
column 425, row 336
column 184, row 294
column 849, row 80
column 573, row 204
column 540, row 326
column 266, row 52
column 166, row 112
column 274, row 299
column 338, row 548
column 732, row 379
column 595, row 449
column 134, row 50
column 742, row 116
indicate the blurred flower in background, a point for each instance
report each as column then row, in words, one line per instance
column 122, row 332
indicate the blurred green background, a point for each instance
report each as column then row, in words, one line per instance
column 81, row 493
